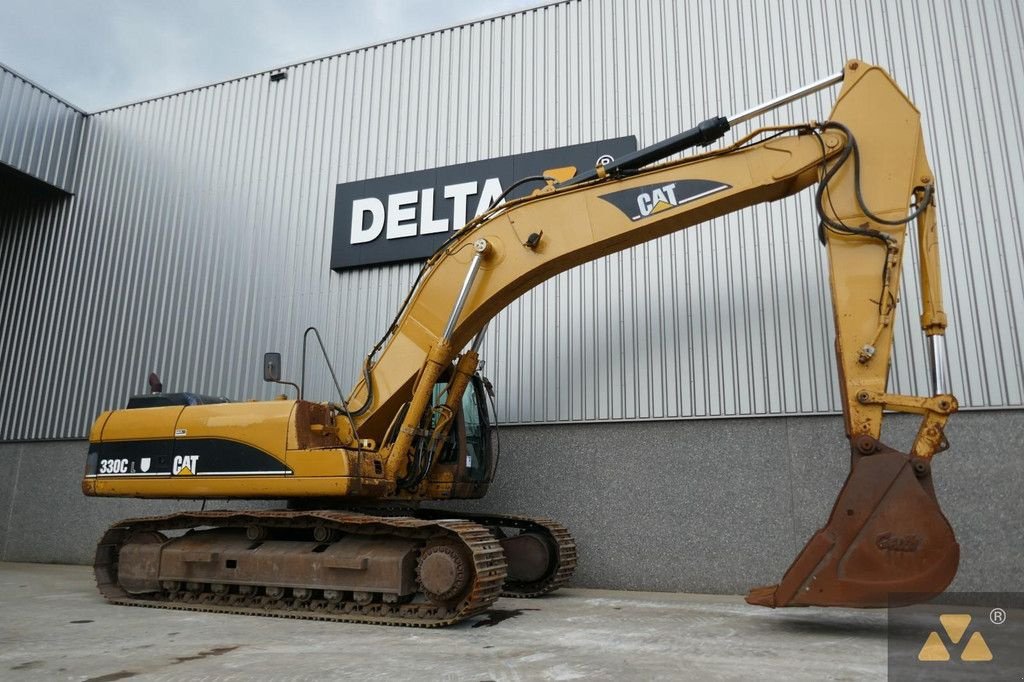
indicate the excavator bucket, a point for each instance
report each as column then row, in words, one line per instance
column 886, row 543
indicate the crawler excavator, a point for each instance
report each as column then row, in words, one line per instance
column 353, row 544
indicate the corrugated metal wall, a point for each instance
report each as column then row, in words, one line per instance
column 39, row 133
column 200, row 232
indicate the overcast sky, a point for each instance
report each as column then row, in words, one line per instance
column 102, row 53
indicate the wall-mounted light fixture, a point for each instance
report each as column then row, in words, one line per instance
column 279, row 76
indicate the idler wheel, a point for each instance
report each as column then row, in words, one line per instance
column 443, row 573
column 324, row 534
column 256, row 533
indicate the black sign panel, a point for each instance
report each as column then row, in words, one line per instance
column 408, row 216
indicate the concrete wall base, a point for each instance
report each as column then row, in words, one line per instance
column 697, row 506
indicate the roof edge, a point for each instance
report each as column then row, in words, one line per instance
column 39, row 87
column 330, row 55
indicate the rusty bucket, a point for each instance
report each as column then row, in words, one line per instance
column 886, row 543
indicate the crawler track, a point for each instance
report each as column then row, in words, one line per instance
column 557, row 535
column 488, row 568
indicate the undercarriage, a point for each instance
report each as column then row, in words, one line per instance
column 432, row 569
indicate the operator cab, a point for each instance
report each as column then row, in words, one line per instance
column 465, row 462
column 465, row 465
column 470, row 434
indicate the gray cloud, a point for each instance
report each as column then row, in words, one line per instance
column 98, row 54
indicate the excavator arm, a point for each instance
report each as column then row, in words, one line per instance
column 887, row 534
column 874, row 132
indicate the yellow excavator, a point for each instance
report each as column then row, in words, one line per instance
column 353, row 543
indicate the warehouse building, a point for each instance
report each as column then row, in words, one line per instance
column 676, row 405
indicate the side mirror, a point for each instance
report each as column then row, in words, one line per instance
column 272, row 367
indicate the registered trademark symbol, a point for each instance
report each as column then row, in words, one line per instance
column 997, row 616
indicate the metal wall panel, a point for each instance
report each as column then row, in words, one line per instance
column 199, row 235
column 39, row 133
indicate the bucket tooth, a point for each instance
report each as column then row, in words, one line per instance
column 886, row 543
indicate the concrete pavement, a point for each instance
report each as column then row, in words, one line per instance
column 54, row 626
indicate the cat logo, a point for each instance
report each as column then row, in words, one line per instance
column 185, row 465
column 642, row 202
column 955, row 625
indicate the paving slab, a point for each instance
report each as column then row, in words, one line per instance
column 54, row 626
